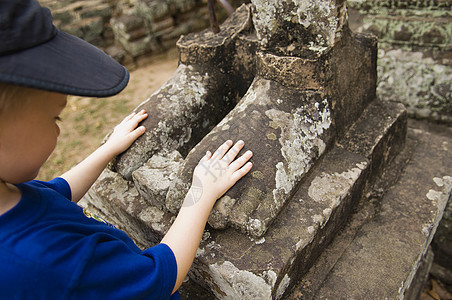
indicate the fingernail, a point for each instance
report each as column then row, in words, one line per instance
column 240, row 142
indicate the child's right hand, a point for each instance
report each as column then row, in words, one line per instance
column 217, row 173
column 212, row 177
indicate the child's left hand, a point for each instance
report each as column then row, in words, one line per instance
column 83, row 175
column 126, row 132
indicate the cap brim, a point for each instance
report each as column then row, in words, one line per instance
column 65, row 64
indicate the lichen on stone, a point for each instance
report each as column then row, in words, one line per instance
column 300, row 141
column 332, row 188
column 241, row 284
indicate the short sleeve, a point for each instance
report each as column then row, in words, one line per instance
column 59, row 185
column 115, row 271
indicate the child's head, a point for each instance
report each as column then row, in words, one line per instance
column 28, row 131
column 39, row 66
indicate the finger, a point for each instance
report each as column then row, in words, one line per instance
column 137, row 132
column 222, row 150
column 140, row 116
column 132, row 115
column 141, row 112
column 206, row 157
column 129, row 117
column 239, row 162
column 232, row 153
column 242, row 171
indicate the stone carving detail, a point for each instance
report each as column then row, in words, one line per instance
column 311, row 23
column 287, row 113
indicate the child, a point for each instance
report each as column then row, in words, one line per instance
column 48, row 248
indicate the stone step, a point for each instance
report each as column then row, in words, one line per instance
column 380, row 250
column 234, row 266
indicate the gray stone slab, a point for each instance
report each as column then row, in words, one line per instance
column 119, row 202
column 379, row 134
column 312, row 217
column 153, row 179
column 379, row 252
column 234, row 266
column 207, row 47
column 291, row 128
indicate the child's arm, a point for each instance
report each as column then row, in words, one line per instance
column 83, row 175
column 212, row 177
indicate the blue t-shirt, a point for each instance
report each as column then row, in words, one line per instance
column 49, row 249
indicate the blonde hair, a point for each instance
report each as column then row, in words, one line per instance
column 13, row 96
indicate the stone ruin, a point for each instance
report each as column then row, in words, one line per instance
column 415, row 46
column 292, row 81
column 131, row 30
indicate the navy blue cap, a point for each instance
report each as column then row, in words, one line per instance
column 33, row 53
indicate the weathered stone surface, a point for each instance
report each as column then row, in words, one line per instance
column 97, row 9
column 120, row 203
column 407, row 25
column 299, row 22
column 378, row 135
column 414, row 63
column 422, row 85
column 126, row 23
column 395, row 234
column 262, row 267
column 85, row 19
column 237, row 267
column 296, row 128
column 442, row 242
column 334, row 71
column 191, row 103
column 131, row 32
column 308, row 92
column 352, row 77
column 289, row 107
column 420, row 31
column 232, row 264
column 394, row 4
column 164, row 22
column 417, row 286
column 153, row 179
column 182, row 112
column 88, row 29
column 207, row 48
column 156, row 10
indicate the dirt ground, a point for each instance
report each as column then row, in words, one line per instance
column 86, row 121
